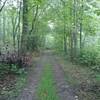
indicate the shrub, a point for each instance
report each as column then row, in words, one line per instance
column 91, row 58
column 14, row 64
column 4, row 68
column 21, row 61
column 10, row 69
column 88, row 57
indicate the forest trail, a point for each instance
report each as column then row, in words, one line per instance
column 63, row 90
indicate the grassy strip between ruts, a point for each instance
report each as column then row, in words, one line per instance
column 46, row 89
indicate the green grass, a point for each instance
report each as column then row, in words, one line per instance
column 46, row 89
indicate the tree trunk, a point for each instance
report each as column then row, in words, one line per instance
column 19, row 30
column 4, row 25
column 25, row 30
column 81, row 24
column 75, row 29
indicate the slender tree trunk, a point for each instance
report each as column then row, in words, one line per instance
column 64, row 35
column 4, row 29
column 13, row 32
column 0, row 32
column 65, row 42
column 25, row 30
column 80, row 37
column 81, row 24
column 34, row 20
column 71, row 46
column 19, row 31
column 71, row 32
column 75, row 29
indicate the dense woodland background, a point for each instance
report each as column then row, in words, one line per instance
column 68, row 27
column 72, row 24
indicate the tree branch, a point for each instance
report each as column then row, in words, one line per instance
column 3, row 5
column 34, row 19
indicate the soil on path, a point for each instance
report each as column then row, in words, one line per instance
column 64, row 91
column 29, row 92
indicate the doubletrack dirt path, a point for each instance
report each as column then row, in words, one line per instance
column 64, row 91
column 29, row 92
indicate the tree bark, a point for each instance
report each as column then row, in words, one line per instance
column 25, row 30
column 75, row 29
column 81, row 24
